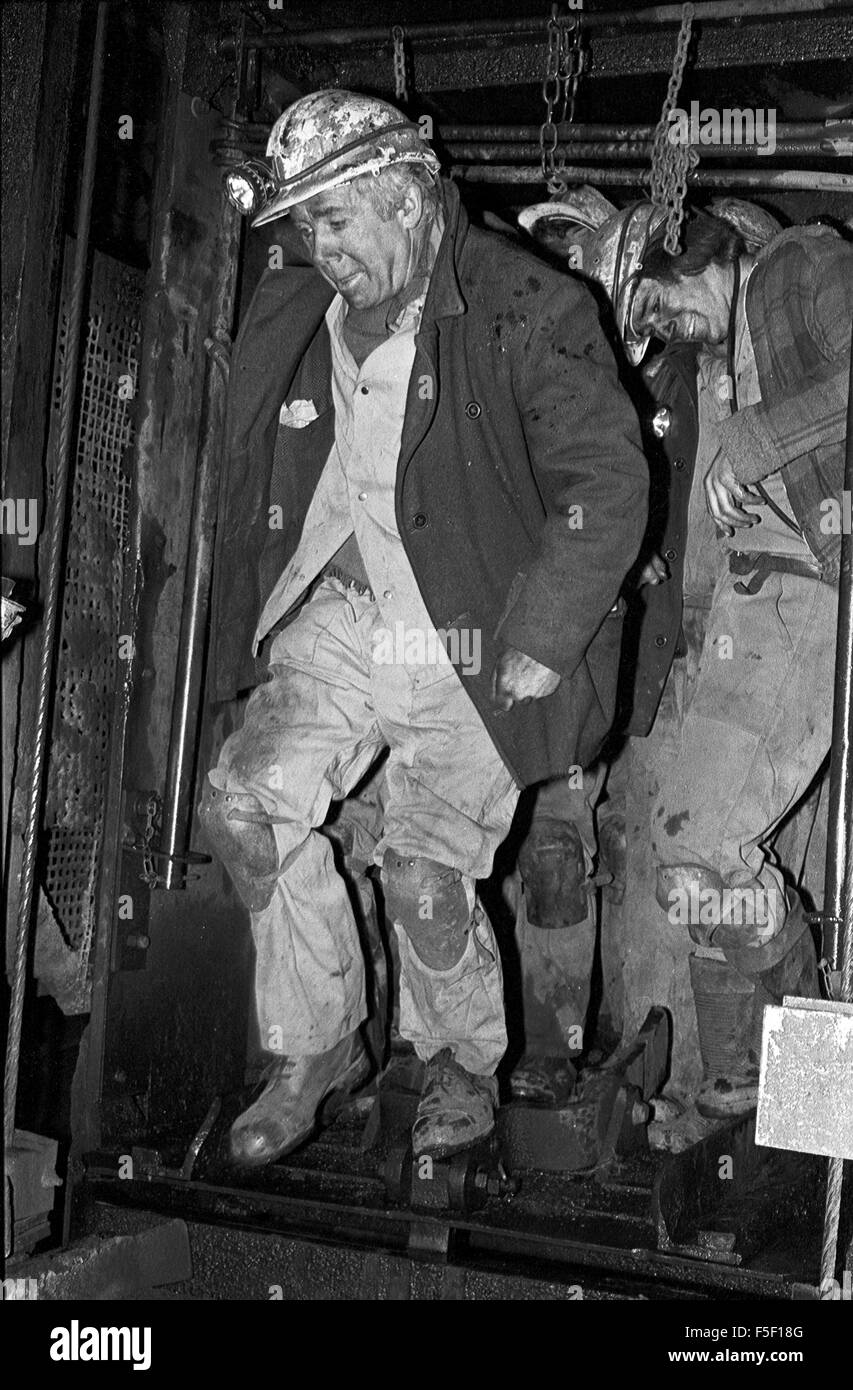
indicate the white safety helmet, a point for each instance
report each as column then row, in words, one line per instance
column 611, row 242
column 332, row 137
column 756, row 226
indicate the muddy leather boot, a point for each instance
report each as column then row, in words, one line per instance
column 456, row 1108
column 547, row 1081
column 284, row 1114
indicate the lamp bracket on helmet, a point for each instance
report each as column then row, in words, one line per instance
column 250, row 186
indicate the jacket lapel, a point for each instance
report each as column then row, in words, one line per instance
column 444, row 300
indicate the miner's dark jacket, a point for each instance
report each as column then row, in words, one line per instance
column 514, row 416
column 654, row 636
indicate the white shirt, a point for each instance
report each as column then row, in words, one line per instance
column 357, row 487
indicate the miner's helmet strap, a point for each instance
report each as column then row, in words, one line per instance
column 375, row 137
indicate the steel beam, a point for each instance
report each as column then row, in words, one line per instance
column 715, row 12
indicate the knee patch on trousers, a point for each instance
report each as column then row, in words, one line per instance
column 238, row 828
column 428, row 901
column 552, row 864
column 690, row 895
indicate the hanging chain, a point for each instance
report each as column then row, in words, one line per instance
column 400, row 82
column 149, row 873
column 673, row 160
column 565, row 60
column 572, row 65
column 551, row 87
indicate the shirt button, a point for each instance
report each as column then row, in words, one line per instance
column 671, row 554
column 364, row 390
column 660, row 640
column 419, row 520
column 473, row 410
column 678, row 463
column 388, row 594
column 362, row 497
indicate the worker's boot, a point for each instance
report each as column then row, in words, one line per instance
column 543, row 1080
column 729, row 1038
column 456, row 1108
column 284, row 1114
column 731, row 996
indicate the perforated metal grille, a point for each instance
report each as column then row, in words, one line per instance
column 88, row 673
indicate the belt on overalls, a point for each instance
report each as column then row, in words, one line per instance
column 758, row 564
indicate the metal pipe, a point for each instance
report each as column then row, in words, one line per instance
column 838, row 848
column 714, row 12
column 783, row 179
column 177, row 811
column 55, row 569
column 838, row 888
column 510, row 134
column 614, row 149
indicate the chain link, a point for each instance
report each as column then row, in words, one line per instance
column 673, row 160
column 400, row 79
column 149, row 873
column 565, row 60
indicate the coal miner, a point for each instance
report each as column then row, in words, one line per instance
column 744, row 724
column 775, row 324
column 431, row 420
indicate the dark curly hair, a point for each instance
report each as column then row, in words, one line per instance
column 706, row 239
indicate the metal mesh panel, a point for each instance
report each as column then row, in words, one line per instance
column 88, row 674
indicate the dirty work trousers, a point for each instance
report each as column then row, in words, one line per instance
column 752, row 738
column 311, row 732
column 556, row 965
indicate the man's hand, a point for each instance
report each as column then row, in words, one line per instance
column 518, row 679
column 723, row 492
column 654, row 571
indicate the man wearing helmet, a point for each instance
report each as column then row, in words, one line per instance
column 432, row 423
column 770, row 313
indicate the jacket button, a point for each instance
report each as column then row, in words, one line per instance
column 473, row 410
column 671, row 554
column 660, row 640
column 419, row 520
column 364, row 390
column 678, row 463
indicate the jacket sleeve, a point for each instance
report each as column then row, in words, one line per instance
column 762, row 438
column 583, row 442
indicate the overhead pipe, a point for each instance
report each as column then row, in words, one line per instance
column 620, row 149
column 570, row 133
column 714, row 12
column 782, row 180
column 798, row 139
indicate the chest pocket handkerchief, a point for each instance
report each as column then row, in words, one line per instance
column 298, row 414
